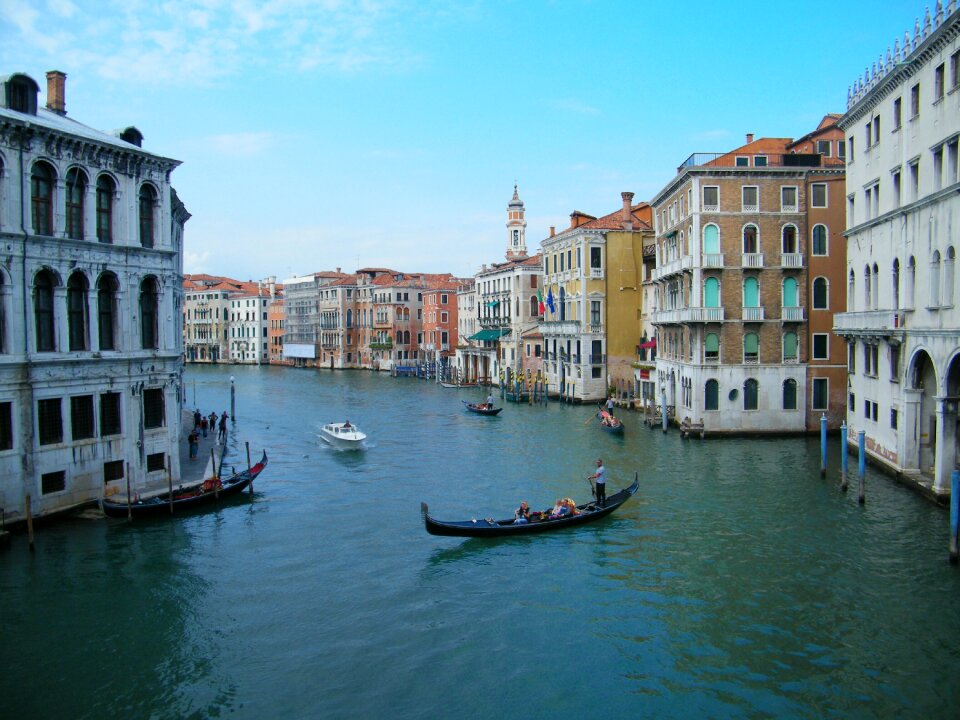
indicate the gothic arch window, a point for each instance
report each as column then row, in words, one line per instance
column 711, row 348
column 790, row 346
column 935, row 279
column 711, row 239
column 534, row 306
column 820, row 246
column 77, row 313
column 751, row 240
column 43, row 311
column 76, row 194
column 790, row 294
column 789, row 240
column 105, row 192
column 42, row 180
column 711, row 395
column 821, row 294
column 949, row 263
column 896, row 283
column 851, row 294
column 911, row 281
column 867, row 285
column 751, row 348
column 876, row 286
column 349, row 318
column 107, row 287
column 751, row 292
column 711, row 292
column 751, row 394
column 148, row 201
column 149, row 307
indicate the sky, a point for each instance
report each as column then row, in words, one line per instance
column 324, row 134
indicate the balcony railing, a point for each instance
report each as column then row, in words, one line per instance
column 753, row 161
column 596, row 272
column 561, row 327
column 676, row 265
column 875, row 321
column 791, row 260
column 597, row 359
column 792, row 314
column 751, row 260
column 713, row 260
column 753, row 314
column 689, row 315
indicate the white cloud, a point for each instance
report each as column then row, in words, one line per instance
column 243, row 144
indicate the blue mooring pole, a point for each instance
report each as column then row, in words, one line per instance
column 233, row 400
column 844, row 457
column 823, row 445
column 663, row 403
column 954, row 514
column 862, row 442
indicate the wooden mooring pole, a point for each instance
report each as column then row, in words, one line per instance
column 862, row 443
column 844, row 457
column 823, row 445
column 249, row 470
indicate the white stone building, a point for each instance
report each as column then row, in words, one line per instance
column 249, row 324
column 90, row 307
column 903, row 214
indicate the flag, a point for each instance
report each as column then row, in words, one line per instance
column 550, row 300
column 543, row 308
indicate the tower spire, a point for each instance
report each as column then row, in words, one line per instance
column 516, row 228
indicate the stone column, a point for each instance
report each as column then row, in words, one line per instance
column 908, row 432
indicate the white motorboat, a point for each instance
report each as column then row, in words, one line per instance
column 343, row 435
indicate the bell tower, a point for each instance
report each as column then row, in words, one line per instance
column 516, row 228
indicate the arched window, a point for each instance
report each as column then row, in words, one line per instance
column 406, row 337
column 820, row 240
column 43, row 285
column 790, row 394
column 935, row 279
column 946, row 297
column 3, row 306
column 149, row 300
column 77, row 311
column 751, row 292
column 105, row 191
column 534, row 306
column 711, row 348
column 790, row 347
column 711, row 239
column 751, row 240
column 349, row 318
column 41, row 198
column 789, row 240
column 711, row 395
column 751, row 394
column 896, row 283
column 751, row 348
column 148, row 199
column 851, row 294
column 399, row 337
column 107, row 287
column 911, row 281
column 876, row 286
column 790, row 294
column 821, row 300
column 867, row 285
column 76, row 192
column 711, row 292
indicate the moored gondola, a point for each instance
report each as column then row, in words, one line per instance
column 183, row 499
column 481, row 408
column 588, row 512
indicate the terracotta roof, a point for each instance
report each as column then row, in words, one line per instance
column 614, row 220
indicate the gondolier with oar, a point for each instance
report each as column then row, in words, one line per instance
column 600, row 488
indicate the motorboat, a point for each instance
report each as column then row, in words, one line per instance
column 343, row 435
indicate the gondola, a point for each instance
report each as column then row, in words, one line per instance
column 481, row 408
column 614, row 426
column 186, row 498
column 457, row 386
column 501, row 528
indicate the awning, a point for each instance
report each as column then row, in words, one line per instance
column 648, row 345
column 494, row 334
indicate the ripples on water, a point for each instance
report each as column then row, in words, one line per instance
column 736, row 584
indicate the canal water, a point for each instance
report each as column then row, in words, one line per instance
column 736, row 584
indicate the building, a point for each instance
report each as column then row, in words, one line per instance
column 734, row 241
column 276, row 315
column 206, row 317
column 302, row 340
column 90, row 306
column 249, row 322
column 440, row 324
column 903, row 210
column 592, row 285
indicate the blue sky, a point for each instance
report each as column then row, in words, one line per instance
column 324, row 134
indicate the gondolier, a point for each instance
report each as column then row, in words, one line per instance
column 601, row 483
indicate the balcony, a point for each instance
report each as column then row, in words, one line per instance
column 753, row 314
column 597, row 359
column 791, row 314
column 792, row 261
column 676, row 265
column 713, row 260
column 596, row 273
column 870, row 322
column 561, row 327
column 732, row 160
column 689, row 315
column 751, row 260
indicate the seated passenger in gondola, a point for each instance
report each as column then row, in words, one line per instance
column 561, row 509
column 571, row 506
column 521, row 516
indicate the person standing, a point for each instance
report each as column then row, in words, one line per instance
column 194, row 442
column 490, row 401
column 601, row 483
column 610, row 404
column 196, row 418
column 223, row 427
column 203, row 425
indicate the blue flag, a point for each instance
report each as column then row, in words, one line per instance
column 550, row 300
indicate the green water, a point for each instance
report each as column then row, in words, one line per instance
column 736, row 584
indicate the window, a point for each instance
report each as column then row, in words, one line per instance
column 893, row 418
column 914, row 101
column 751, row 348
column 43, row 311
column 759, row 160
column 711, row 198
column 788, row 199
column 751, row 243
column 112, row 470
column 156, row 462
column 751, row 292
column 105, row 190
column 790, row 347
column 841, row 149
column 938, row 83
column 820, row 394
column 711, row 240
column 6, row 425
column 896, row 187
column 110, row 414
column 897, row 114
column 850, row 145
column 107, row 287
column 789, row 240
column 711, row 292
column 791, row 296
column 41, row 198
column 595, row 258
column 876, row 130
column 77, row 311
column 955, row 70
column 823, row 147
column 820, row 294
column 751, row 199
column 594, row 312
column 751, row 394
column 76, row 191
column 742, row 161
column 852, row 402
column 153, row 408
column 711, row 395
column 50, row 421
column 148, row 198
column 868, row 134
column 818, row 195
column 819, row 239
column 148, row 314
column 790, row 394
column 820, row 346
column 711, row 348
column 52, row 482
column 81, row 417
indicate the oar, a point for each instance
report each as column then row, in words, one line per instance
column 593, row 489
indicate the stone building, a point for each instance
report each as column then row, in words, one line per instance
column 903, row 213
column 90, row 306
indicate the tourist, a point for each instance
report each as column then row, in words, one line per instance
column 521, row 516
column 610, row 404
column 196, row 418
column 194, row 441
column 203, row 425
column 600, row 490
column 223, row 427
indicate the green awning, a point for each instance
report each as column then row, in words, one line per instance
column 494, row 334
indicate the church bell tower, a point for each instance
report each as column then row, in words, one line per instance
column 516, row 228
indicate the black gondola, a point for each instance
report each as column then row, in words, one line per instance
column 481, row 408
column 501, row 528
column 189, row 498
column 613, row 425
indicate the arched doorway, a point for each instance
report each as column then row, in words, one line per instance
column 923, row 381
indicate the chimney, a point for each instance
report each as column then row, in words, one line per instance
column 749, row 138
column 626, row 215
column 338, row 271
column 56, row 89
column 553, row 230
